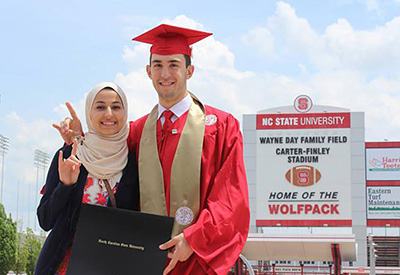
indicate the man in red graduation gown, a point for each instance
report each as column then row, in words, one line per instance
column 190, row 159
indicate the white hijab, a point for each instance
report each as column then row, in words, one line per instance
column 104, row 156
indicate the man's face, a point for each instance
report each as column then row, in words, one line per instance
column 169, row 75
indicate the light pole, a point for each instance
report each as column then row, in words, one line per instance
column 4, row 145
column 41, row 161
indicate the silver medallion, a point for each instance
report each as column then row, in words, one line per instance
column 184, row 215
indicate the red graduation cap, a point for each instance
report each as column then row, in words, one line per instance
column 167, row 39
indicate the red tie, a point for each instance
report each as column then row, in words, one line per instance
column 167, row 114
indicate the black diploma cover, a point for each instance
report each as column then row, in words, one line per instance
column 112, row 241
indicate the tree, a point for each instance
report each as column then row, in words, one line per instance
column 8, row 242
column 34, row 245
column 22, row 255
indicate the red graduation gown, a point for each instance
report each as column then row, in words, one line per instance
column 220, row 232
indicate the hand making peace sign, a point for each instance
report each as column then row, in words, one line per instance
column 68, row 169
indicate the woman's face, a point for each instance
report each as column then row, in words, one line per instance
column 107, row 113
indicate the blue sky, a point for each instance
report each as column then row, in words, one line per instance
column 55, row 50
column 263, row 54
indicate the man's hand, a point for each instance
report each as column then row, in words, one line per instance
column 181, row 251
column 69, row 128
column 68, row 169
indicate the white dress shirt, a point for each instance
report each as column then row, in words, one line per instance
column 178, row 109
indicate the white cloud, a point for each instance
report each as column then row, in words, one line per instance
column 216, row 58
column 302, row 67
column 261, row 39
column 371, row 5
column 339, row 47
column 290, row 28
column 184, row 22
column 373, row 50
column 284, row 33
column 137, row 57
column 28, row 134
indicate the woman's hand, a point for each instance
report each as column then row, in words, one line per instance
column 68, row 169
column 69, row 128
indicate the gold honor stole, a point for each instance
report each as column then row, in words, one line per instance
column 185, row 171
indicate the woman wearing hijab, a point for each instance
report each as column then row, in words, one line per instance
column 97, row 170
